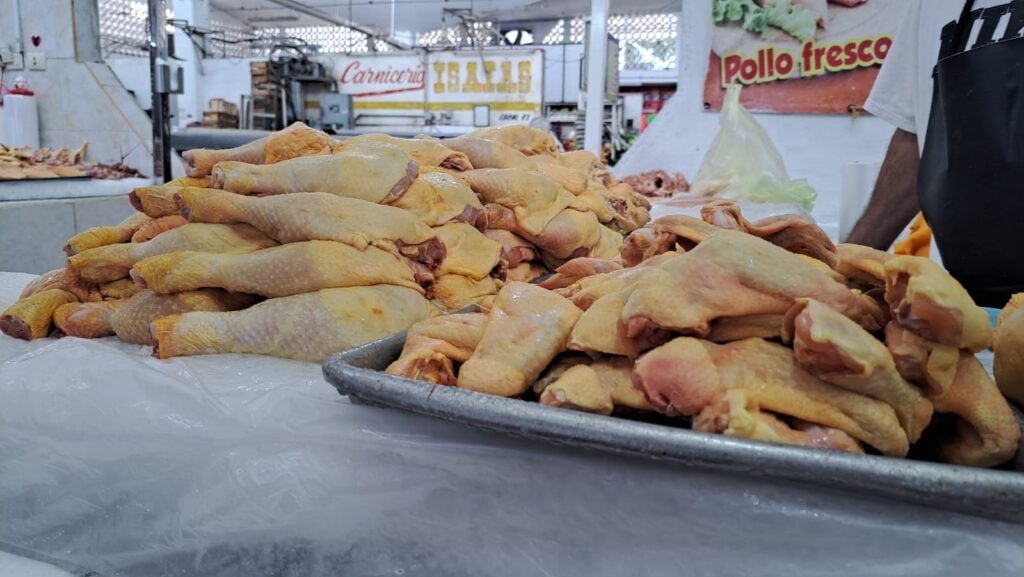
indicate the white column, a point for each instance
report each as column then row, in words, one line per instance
column 190, row 105
column 597, row 63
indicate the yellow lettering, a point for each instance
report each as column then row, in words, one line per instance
column 472, row 83
column 439, row 76
column 489, row 76
column 453, row 77
column 506, row 85
column 525, row 76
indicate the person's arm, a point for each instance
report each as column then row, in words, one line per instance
column 894, row 202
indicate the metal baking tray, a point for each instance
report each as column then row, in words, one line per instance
column 995, row 494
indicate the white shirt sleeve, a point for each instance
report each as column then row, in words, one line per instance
column 892, row 97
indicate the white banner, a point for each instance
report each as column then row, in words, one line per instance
column 451, row 83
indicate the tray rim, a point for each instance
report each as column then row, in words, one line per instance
column 987, row 493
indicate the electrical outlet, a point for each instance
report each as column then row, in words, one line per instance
column 36, row 60
column 11, row 60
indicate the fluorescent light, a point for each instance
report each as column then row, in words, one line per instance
column 273, row 19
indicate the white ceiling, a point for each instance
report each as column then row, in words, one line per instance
column 418, row 16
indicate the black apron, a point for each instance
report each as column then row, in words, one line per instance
column 971, row 179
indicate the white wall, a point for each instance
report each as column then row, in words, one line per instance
column 815, row 147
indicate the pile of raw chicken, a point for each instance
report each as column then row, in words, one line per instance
column 763, row 330
column 26, row 163
column 299, row 246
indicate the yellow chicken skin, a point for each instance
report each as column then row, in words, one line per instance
column 838, row 351
column 121, row 288
column 437, row 198
column 985, row 433
column 200, row 182
column 425, row 151
column 862, row 265
column 373, row 174
column 533, row 198
column 1009, row 350
column 31, row 317
column 433, row 347
column 522, row 313
column 65, row 280
column 151, row 229
column 600, row 330
column 454, row 292
column 109, row 263
column 570, row 234
column 579, row 268
column 296, row 141
column 275, row 272
column 686, row 374
column 199, row 162
column 929, row 365
column 86, row 320
column 159, row 201
column 131, row 319
column 733, row 413
column 468, row 252
column 525, row 139
column 599, row 387
column 104, row 235
column 927, row 300
column 305, row 327
column 314, row 216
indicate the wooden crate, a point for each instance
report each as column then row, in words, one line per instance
column 221, row 105
column 213, row 119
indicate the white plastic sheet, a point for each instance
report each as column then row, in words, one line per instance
column 242, row 465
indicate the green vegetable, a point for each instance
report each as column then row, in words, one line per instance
column 782, row 14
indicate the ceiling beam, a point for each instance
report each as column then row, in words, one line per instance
column 310, row 11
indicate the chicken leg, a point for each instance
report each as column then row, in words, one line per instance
column 432, row 347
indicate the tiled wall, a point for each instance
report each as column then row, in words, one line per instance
column 33, row 233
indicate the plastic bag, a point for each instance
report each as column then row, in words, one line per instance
column 743, row 164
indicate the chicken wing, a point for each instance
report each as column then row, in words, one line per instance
column 316, row 216
column 109, row 263
column 434, row 346
column 31, row 317
column 522, row 313
column 278, row 271
column 601, row 330
column 199, row 162
column 374, row 174
column 525, row 139
column 791, row 232
column 679, row 377
column 734, row 274
column 468, row 252
column 104, row 235
column 305, row 327
column 985, row 432
column 599, row 387
column 86, row 320
column 927, row 300
column 838, row 351
column 579, row 268
column 1009, row 350
column 438, row 198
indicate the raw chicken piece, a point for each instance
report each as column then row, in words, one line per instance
column 608, row 244
column 109, row 263
column 30, row 317
column 588, row 163
column 735, row 274
column 86, row 320
column 525, row 139
column 599, row 387
column 928, row 301
column 525, row 272
column 199, row 162
column 929, row 365
column 522, row 313
column 631, row 209
column 588, row 290
column 454, row 292
column 121, row 288
column 131, row 320
column 375, row 174
column 688, row 231
column 733, row 413
column 65, row 280
column 151, row 229
column 1009, row 350
column 838, row 351
column 686, row 375
column 200, row 182
column 514, row 250
column 485, row 154
column 159, row 201
column 579, row 268
column 863, row 266
column 534, row 199
column 468, row 252
column 295, row 141
column 278, row 271
column 789, row 231
column 985, row 433
column 306, row 327
column 644, row 244
column 425, row 151
column 600, row 329
column 104, row 235
column 573, row 181
column 438, row 198
column 570, row 234
column 746, row 327
column 318, row 216
column 432, row 347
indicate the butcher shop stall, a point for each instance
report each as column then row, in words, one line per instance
column 506, row 288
